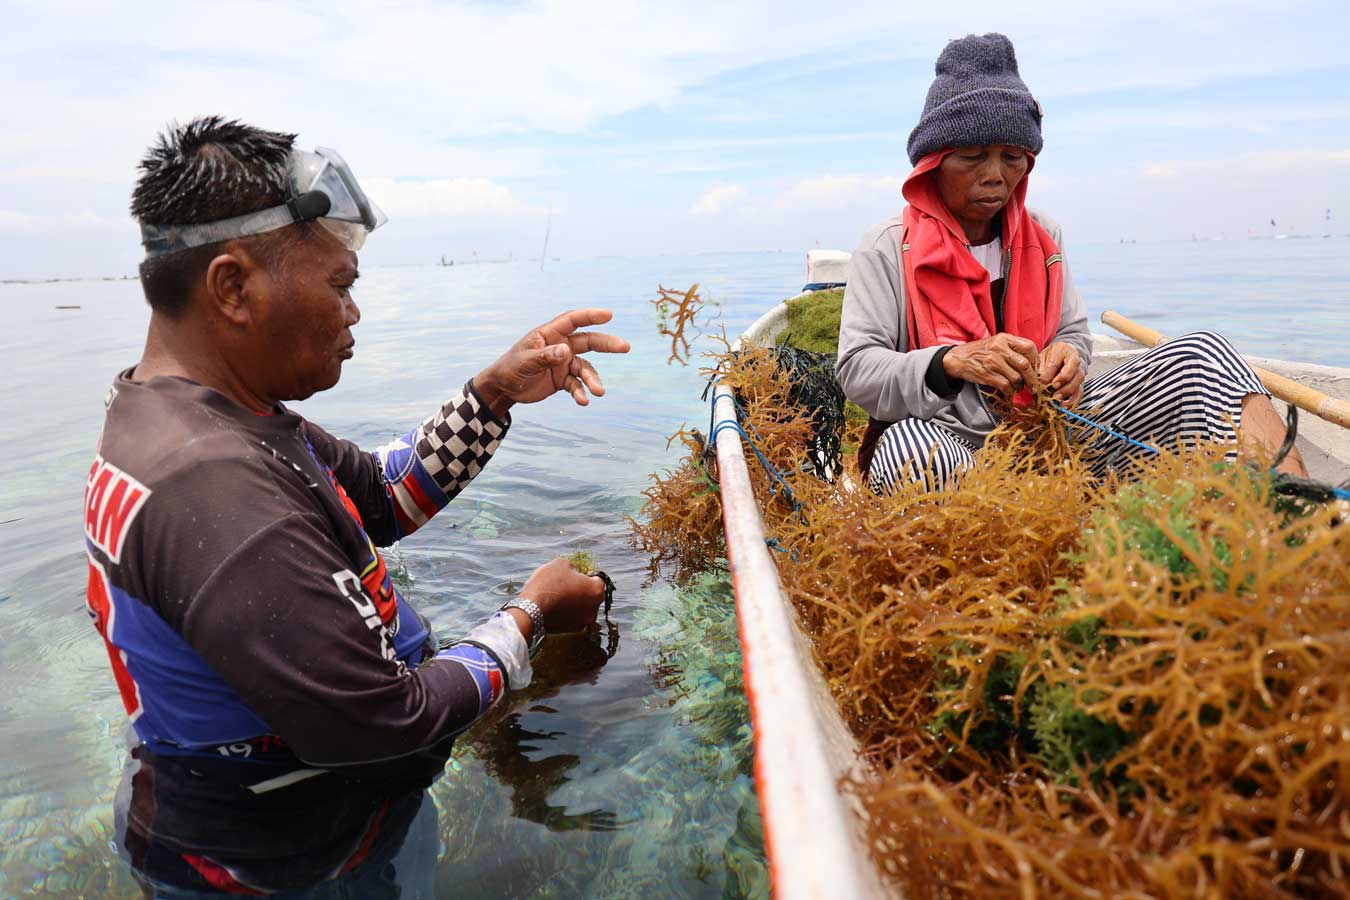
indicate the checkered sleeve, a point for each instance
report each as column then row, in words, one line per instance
column 426, row 468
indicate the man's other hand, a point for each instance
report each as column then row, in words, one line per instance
column 548, row 360
column 568, row 599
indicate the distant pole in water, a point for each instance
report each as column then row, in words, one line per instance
column 548, row 225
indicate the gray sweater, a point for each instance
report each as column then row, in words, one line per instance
column 889, row 383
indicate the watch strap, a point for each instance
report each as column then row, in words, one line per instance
column 531, row 609
column 609, row 588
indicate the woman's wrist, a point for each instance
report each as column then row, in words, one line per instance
column 949, row 362
column 939, row 378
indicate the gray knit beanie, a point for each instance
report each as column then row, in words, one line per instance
column 977, row 99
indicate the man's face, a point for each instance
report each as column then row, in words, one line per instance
column 303, row 332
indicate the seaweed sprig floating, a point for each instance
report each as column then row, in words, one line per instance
column 677, row 311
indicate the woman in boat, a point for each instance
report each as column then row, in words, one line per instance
column 968, row 292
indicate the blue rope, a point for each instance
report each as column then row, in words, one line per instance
column 742, row 414
column 773, row 473
column 1338, row 492
column 776, row 478
column 1102, row 428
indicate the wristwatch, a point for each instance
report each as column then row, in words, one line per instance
column 531, row 609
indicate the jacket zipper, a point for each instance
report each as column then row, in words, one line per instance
column 998, row 323
column 998, row 308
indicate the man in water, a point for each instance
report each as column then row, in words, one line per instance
column 289, row 706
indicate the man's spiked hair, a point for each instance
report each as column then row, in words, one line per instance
column 209, row 169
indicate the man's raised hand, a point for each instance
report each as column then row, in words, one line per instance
column 548, row 360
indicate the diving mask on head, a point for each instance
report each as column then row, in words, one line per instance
column 320, row 187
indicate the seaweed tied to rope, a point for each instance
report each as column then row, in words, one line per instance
column 816, row 390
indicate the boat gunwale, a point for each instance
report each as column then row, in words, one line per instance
column 811, row 836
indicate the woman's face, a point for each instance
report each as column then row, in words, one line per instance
column 976, row 182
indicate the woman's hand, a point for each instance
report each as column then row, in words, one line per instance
column 1004, row 362
column 1062, row 371
column 547, row 360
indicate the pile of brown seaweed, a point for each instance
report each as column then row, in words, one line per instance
column 1066, row 687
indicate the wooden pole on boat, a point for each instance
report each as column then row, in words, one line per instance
column 1288, row 390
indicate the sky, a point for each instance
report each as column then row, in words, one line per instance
column 632, row 127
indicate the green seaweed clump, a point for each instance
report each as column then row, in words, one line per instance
column 813, row 321
column 1068, row 738
column 813, row 324
column 583, row 562
column 1047, row 724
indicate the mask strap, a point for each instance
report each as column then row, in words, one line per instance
column 162, row 239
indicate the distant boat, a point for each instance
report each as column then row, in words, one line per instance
column 826, row 269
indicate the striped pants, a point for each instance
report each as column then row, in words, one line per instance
column 1180, row 393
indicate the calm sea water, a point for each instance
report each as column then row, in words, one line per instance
column 609, row 778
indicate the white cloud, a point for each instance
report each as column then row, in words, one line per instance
column 472, row 109
column 1161, row 170
column 1255, row 118
column 831, row 191
column 811, row 193
column 11, row 221
column 429, row 71
column 1247, row 165
column 717, row 200
column 446, row 197
column 17, row 222
column 1221, row 196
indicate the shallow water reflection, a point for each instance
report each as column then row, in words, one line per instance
column 516, row 753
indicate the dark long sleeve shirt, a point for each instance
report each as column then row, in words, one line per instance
column 275, row 679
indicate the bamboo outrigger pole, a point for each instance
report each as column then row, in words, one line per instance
column 1288, row 390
